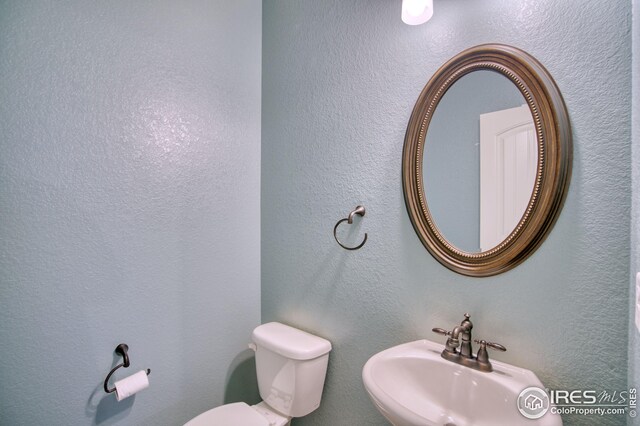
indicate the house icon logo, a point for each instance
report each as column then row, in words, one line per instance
column 533, row 402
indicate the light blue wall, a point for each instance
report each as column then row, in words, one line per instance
column 129, row 197
column 339, row 81
column 634, row 337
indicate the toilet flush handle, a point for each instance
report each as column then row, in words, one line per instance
column 253, row 346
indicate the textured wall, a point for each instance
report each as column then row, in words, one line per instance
column 339, row 81
column 634, row 337
column 129, row 197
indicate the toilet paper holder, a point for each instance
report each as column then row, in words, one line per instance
column 121, row 350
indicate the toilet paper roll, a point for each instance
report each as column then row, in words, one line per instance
column 131, row 385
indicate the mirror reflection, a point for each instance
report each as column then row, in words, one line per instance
column 480, row 161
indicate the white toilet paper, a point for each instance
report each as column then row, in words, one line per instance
column 132, row 384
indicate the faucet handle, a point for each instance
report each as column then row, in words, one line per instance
column 496, row 346
column 482, row 357
column 441, row 331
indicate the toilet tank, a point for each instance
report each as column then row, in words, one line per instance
column 291, row 366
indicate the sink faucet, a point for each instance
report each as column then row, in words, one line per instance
column 461, row 337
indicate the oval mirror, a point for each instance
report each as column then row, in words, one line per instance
column 487, row 160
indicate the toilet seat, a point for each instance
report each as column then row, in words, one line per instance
column 234, row 414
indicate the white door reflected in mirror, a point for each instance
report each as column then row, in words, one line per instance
column 508, row 165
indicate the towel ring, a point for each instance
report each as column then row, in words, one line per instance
column 360, row 211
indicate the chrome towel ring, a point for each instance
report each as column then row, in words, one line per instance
column 360, row 211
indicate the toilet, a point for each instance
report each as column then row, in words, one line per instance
column 291, row 366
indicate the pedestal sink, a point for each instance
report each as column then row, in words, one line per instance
column 412, row 385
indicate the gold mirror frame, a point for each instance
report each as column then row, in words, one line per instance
column 553, row 132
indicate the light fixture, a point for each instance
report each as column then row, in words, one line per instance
column 416, row 12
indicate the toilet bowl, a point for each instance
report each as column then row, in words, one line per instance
column 291, row 366
column 240, row 414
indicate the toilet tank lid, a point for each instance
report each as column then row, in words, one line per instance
column 290, row 342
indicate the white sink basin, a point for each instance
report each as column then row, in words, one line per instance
column 411, row 384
